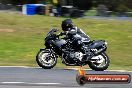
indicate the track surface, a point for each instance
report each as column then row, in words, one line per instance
column 26, row 77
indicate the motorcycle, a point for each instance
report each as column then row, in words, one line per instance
column 70, row 52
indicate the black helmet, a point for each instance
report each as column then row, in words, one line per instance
column 66, row 24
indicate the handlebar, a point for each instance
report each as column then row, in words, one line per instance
column 62, row 33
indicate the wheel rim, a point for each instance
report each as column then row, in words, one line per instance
column 99, row 60
column 47, row 59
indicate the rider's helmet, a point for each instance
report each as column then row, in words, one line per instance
column 66, row 24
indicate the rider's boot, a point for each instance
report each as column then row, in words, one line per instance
column 88, row 55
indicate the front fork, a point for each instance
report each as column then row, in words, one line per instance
column 81, row 71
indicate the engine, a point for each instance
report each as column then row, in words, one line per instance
column 76, row 56
column 72, row 54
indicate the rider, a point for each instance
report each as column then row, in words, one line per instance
column 70, row 30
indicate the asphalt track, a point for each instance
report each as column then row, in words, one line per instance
column 27, row 77
column 108, row 18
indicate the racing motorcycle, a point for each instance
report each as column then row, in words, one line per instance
column 67, row 48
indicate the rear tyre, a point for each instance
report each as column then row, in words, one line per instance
column 46, row 59
column 100, row 64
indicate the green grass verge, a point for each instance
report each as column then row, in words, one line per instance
column 21, row 46
column 90, row 13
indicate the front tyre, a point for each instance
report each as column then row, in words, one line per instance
column 99, row 62
column 81, row 80
column 46, row 59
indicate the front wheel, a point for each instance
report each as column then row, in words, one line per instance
column 46, row 59
column 81, row 80
column 99, row 62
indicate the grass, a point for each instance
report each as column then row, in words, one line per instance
column 90, row 13
column 21, row 46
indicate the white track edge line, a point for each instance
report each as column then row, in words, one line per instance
column 12, row 82
column 30, row 83
column 105, row 70
column 64, row 68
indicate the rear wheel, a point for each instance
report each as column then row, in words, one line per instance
column 46, row 59
column 99, row 62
